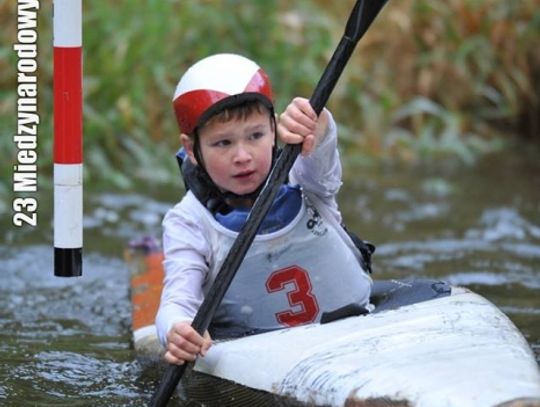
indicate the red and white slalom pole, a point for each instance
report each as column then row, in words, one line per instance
column 68, row 191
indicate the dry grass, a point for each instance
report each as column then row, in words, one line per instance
column 430, row 78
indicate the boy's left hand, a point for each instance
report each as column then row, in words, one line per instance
column 299, row 124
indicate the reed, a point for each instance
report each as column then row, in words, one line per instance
column 431, row 79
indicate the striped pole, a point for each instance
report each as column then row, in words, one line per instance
column 67, row 32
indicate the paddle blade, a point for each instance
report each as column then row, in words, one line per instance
column 361, row 17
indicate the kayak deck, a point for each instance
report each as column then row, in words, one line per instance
column 428, row 346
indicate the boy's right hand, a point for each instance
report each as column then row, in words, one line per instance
column 184, row 344
column 299, row 124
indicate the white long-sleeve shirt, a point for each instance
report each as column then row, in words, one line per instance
column 189, row 257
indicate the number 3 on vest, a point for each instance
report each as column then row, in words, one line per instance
column 300, row 295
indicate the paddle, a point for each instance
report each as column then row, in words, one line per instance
column 361, row 17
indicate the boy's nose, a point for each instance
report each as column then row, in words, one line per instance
column 241, row 154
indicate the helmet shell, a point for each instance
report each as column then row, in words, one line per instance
column 214, row 81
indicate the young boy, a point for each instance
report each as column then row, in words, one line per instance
column 302, row 263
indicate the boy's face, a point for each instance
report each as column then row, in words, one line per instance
column 237, row 154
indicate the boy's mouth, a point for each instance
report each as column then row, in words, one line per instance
column 243, row 174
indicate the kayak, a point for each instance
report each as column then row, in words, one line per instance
column 424, row 343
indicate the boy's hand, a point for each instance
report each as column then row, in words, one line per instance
column 184, row 344
column 299, row 124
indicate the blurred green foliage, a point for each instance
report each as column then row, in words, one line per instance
column 430, row 79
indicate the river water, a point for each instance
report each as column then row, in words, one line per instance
column 67, row 341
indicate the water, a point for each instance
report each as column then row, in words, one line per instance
column 67, row 341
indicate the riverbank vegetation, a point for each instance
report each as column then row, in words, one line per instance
column 431, row 79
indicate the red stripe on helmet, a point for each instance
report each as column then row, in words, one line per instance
column 189, row 107
column 260, row 84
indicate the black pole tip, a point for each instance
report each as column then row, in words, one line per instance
column 67, row 262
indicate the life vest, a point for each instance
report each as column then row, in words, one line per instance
column 289, row 277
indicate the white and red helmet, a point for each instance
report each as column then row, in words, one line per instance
column 215, row 82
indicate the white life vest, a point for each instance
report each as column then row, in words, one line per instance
column 288, row 277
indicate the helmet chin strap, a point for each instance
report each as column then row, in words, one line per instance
column 219, row 200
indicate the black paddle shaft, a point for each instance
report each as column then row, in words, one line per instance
column 361, row 17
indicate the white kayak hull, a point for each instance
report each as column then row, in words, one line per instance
column 457, row 350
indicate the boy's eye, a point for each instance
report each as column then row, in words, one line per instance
column 257, row 135
column 221, row 143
